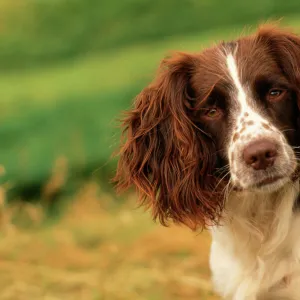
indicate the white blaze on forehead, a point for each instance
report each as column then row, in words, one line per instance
column 247, row 108
column 242, row 98
column 233, row 71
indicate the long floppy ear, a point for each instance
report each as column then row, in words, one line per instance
column 165, row 155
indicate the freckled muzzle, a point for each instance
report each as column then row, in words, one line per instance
column 259, row 155
column 261, row 161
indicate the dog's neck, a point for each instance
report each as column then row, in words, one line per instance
column 257, row 241
column 260, row 220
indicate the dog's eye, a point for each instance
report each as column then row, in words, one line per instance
column 275, row 94
column 212, row 113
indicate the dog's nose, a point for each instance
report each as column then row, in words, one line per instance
column 260, row 154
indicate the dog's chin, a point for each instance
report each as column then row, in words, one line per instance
column 270, row 185
column 267, row 185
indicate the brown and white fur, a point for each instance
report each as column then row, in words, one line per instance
column 212, row 142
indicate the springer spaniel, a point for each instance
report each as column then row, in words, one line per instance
column 213, row 143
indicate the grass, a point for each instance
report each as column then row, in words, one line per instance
column 113, row 70
column 34, row 32
column 99, row 250
column 94, row 74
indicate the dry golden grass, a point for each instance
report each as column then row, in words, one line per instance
column 99, row 250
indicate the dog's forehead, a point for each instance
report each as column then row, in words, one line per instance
column 245, row 47
column 252, row 58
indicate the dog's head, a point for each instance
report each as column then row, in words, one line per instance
column 227, row 114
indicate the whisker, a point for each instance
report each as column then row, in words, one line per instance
column 229, row 187
column 289, row 129
column 220, row 150
column 223, row 169
column 227, row 173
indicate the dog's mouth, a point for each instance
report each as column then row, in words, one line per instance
column 277, row 180
column 267, row 184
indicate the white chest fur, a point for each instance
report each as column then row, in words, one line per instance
column 255, row 253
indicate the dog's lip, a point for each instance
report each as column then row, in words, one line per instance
column 268, row 180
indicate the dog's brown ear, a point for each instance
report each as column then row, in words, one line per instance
column 164, row 155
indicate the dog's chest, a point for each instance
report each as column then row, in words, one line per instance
column 247, row 265
column 240, row 276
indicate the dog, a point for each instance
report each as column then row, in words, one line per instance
column 212, row 143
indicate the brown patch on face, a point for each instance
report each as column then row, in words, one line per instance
column 210, row 73
column 249, row 123
column 243, row 129
column 246, row 114
column 236, row 136
column 266, row 126
column 243, row 137
column 248, row 136
column 232, row 156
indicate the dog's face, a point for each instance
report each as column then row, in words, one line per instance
column 227, row 115
column 250, row 112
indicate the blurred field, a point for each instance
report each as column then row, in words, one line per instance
column 35, row 33
column 99, row 250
